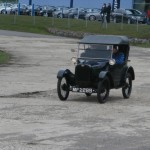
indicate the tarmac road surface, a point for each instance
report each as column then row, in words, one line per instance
column 33, row 118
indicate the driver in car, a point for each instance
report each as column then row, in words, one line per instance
column 118, row 56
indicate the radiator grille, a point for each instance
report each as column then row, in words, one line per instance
column 83, row 75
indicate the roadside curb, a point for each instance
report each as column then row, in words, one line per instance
column 80, row 35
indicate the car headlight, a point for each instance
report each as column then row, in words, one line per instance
column 74, row 60
column 112, row 62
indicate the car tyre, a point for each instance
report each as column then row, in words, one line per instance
column 63, row 88
column 3, row 12
column 60, row 15
column 103, row 90
column 126, row 90
column 74, row 16
column 92, row 18
column 88, row 94
column 129, row 21
column 115, row 20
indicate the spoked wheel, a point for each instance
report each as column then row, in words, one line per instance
column 126, row 90
column 62, row 89
column 103, row 90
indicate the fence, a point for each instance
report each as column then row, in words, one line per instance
column 102, row 24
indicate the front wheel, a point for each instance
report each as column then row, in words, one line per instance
column 103, row 90
column 92, row 18
column 62, row 88
column 126, row 90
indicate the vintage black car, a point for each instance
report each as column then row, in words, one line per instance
column 96, row 70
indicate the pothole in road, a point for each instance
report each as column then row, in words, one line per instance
column 31, row 94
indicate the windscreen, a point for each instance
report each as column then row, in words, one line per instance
column 95, row 51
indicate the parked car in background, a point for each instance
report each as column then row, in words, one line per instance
column 127, row 16
column 37, row 10
column 78, row 13
column 23, row 9
column 93, row 14
column 141, row 16
column 60, row 12
column 5, row 8
column 47, row 11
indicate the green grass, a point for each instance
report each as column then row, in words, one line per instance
column 41, row 24
column 145, row 45
column 4, row 57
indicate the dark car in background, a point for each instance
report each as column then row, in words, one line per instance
column 78, row 13
column 47, row 11
column 129, row 16
column 96, row 70
column 37, row 10
column 23, row 9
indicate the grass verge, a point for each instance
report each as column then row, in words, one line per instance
column 41, row 25
column 4, row 57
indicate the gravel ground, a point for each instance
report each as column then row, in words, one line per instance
column 33, row 118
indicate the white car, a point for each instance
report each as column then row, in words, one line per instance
column 5, row 8
column 61, row 12
column 93, row 14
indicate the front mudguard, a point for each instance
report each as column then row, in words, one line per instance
column 68, row 75
column 104, row 74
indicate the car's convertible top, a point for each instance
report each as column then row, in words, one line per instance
column 105, row 39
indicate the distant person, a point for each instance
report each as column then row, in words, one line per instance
column 118, row 56
column 103, row 12
column 148, row 16
column 108, row 12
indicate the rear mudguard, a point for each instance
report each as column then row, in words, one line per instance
column 131, row 71
column 128, row 70
column 124, row 74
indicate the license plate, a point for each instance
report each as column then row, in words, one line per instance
column 82, row 90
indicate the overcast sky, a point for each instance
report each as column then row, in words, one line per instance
column 79, row 3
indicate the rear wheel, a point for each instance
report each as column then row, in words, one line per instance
column 126, row 90
column 62, row 88
column 103, row 90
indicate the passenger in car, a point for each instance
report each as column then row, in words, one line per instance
column 118, row 56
